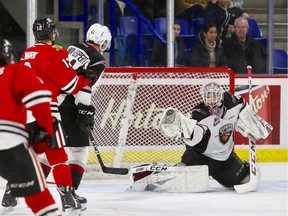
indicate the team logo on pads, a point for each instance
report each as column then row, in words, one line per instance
column 225, row 133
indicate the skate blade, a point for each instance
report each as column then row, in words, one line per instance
column 83, row 207
column 72, row 212
column 7, row 210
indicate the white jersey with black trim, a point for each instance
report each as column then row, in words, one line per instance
column 85, row 56
column 213, row 135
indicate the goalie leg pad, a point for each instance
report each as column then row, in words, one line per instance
column 158, row 178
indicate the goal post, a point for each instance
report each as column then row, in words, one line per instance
column 129, row 103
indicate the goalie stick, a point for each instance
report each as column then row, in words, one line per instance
column 253, row 183
column 111, row 170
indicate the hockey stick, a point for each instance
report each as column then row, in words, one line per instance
column 111, row 170
column 253, row 183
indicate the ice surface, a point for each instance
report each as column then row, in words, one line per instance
column 112, row 197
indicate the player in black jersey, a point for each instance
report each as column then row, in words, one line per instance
column 76, row 111
column 209, row 134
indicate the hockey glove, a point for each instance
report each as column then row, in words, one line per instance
column 89, row 74
column 40, row 140
column 85, row 117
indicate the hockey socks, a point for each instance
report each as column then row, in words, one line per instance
column 41, row 203
column 77, row 174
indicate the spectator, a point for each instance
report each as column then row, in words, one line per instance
column 159, row 52
column 223, row 13
column 189, row 9
column 207, row 50
column 8, row 51
column 242, row 50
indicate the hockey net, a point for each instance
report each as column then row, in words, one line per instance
column 129, row 103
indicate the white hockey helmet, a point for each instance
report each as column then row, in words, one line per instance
column 212, row 95
column 100, row 35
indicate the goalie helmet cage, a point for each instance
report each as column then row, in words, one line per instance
column 129, row 103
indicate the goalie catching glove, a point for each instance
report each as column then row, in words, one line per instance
column 85, row 117
column 251, row 124
column 40, row 140
column 175, row 125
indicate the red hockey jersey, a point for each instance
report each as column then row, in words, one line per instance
column 51, row 65
column 21, row 90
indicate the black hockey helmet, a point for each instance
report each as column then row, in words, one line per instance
column 44, row 29
column 7, row 53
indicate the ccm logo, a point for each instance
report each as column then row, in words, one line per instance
column 158, row 168
column 85, row 112
column 22, row 184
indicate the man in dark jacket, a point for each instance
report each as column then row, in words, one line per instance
column 223, row 13
column 242, row 50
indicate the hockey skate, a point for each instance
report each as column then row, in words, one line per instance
column 81, row 200
column 8, row 201
column 70, row 206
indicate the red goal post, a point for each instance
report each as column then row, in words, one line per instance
column 129, row 103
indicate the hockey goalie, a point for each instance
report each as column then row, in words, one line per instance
column 209, row 139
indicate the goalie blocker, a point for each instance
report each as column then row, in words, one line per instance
column 174, row 179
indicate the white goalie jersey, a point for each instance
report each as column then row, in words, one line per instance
column 213, row 134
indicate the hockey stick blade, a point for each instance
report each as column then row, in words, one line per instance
column 110, row 170
column 249, row 186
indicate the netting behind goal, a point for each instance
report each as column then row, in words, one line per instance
column 129, row 103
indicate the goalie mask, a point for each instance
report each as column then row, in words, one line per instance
column 99, row 35
column 44, row 29
column 212, row 95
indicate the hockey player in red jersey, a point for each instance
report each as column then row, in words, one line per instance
column 76, row 111
column 51, row 65
column 22, row 90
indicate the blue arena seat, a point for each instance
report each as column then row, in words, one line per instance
column 280, row 61
column 255, row 32
column 127, row 38
column 129, row 25
column 161, row 25
column 196, row 25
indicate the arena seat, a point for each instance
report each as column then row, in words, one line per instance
column 255, row 32
column 127, row 38
column 280, row 61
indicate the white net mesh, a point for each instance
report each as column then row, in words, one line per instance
column 129, row 105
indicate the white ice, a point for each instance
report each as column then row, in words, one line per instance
column 112, row 197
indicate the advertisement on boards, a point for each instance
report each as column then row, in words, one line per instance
column 266, row 103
